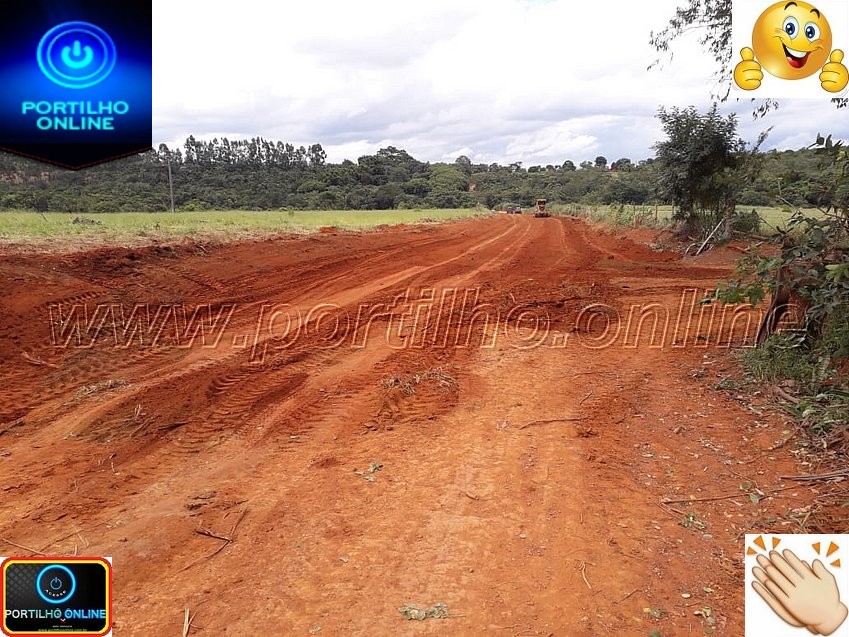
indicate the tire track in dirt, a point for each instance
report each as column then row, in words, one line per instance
column 178, row 372
column 247, row 387
column 106, row 420
column 102, row 368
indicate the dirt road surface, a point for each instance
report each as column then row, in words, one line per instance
column 469, row 413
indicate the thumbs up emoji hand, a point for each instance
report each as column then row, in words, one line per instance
column 748, row 74
column 835, row 75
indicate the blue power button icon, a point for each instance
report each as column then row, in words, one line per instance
column 55, row 584
column 76, row 55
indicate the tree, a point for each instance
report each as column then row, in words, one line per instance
column 259, row 174
column 626, row 189
column 713, row 17
column 316, row 155
column 601, row 162
column 811, row 271
column 569, row 165
column 622, row 165
column 391, row 156
column 386, row 196
column 696, row 165
column 464, row 164
column 447, row 184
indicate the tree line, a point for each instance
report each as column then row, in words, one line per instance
column 259, row 174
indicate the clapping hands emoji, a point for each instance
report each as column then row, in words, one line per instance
column 800, row 594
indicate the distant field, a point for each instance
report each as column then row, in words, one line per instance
column 143, row 227
column 777, row 217
column 124, row 225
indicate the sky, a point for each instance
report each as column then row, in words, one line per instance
column 536, row 81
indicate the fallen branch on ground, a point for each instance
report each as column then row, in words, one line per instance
column 550, row 421
column 778, row 391
column 842, row 473
column 628, row 595
column 171, row 426
column 72, row 533
column 670, row 510
column 209, row 533
column 726, row 497
column 227, row 539
column 20, row 546
column 582, row 567
column 37, row 361
column 778, row 445
column 187, row 623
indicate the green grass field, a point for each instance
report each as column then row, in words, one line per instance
column 22, row 226
column 143, row 227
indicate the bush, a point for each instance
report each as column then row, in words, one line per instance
column 751, row 197
column 746, row 222
column 825, row 410
column 194, row 205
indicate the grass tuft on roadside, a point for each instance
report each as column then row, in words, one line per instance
column 822, row 397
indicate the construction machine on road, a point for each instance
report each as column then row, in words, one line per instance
column 541, row 210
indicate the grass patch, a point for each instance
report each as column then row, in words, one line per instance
column 825, row 411
column 781, row 357
column 617, row 214
column 692, row 521
column 649, row 215
column 728, row 384
column 22, row 225
column 823, row 402
column 414, row 612
column 368, row 474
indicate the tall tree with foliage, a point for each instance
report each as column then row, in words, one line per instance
column 697, row 163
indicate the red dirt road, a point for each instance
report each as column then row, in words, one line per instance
column 459, row 413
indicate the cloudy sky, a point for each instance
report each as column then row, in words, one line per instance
column 537, row 81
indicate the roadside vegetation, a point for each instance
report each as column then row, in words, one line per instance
column 802, row 270
column 804, row 338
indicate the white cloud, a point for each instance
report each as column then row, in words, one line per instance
column 497, row 80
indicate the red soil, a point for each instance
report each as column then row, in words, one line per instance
column 518, row 481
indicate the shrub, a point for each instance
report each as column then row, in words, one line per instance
column 746, row 222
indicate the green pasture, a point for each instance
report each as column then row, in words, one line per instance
column 23, row 225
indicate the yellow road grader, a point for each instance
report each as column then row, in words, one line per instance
column 541, row 210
